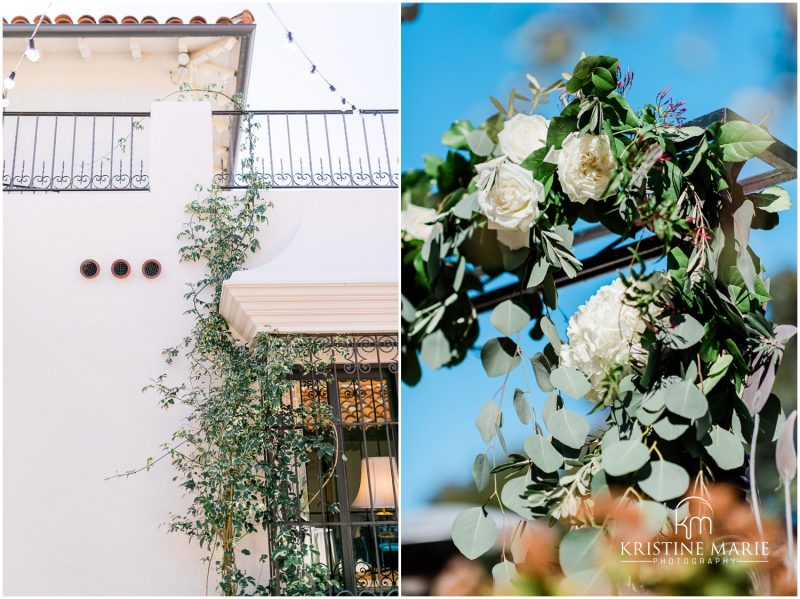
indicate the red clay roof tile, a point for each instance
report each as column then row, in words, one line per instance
column 64, row 19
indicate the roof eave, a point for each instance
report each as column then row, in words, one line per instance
column 130, row 30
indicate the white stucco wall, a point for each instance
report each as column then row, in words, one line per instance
column 78, row 352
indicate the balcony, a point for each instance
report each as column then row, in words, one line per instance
column 111, row 151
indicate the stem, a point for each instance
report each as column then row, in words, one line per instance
column 787, row 497
column 753, row 489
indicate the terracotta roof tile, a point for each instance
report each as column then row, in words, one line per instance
column 243, row 17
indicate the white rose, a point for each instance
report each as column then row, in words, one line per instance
column 603, row 332
column 585, row 165
column 509, row 197
column 522, row 135
column 414, row 219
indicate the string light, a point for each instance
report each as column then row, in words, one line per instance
column 293, row 45
column 31, row 53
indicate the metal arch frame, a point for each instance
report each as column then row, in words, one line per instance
column 781, row 157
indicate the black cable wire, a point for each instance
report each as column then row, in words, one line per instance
column 314, row 68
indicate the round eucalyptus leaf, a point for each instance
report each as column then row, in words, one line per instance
column 571, row 381
column 435, row 350
column 581, row 549
column 499, row 356
column 685, row 399
column 488, row 420
column 504, row 575
column 543, row 454
column 550, row 331
column 655, row 517
column 521, row 406
column 724, row 448
column 510, row 318
column 568, row 427
column 479, row 142
column 511, row 496
column 669, row 430
column 481, row 471
column 474, row 533
column 624, row 457
column 664, row 480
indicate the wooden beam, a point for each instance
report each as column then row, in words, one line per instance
column 85, row 49
column 136, row 50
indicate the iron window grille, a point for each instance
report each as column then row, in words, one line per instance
column 351, row 521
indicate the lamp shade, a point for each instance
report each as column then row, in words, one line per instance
column 382, row 481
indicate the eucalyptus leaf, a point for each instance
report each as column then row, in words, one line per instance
column 435, row 350
column 785, row 452
column 499, row 356
column 624, row 457
column 479, row 142
column 664, row 480
column 550, row 331
column 541, row 370
column 724, row 448
column 504, row 575
column 571, row 381
column 511, row 496
column 521, row 406
column 481, row 472
column 685, row 399
column 669, row 430
column 581, row 549
column 474, row 533
column 488, row 420
column 543, row 454
column 568, row 427
column 550, row 405
column 510, row 318
column 680, row 332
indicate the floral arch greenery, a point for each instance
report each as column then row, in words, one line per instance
column 681, row 362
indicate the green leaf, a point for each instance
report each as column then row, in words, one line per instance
column 481, row 472
column 550, row 405
column 543, row 454
column 550, row 331
column 510, row 318
column 512, row 493
column 435, row 350
column 772, row 199
column 785, row 453
column 474, row 533
column 479, row 142
column 581, row 549
column 571, row 381
column 716, row 372
column 488, row 420
column 680, row 332
column 521, row 406
column 541, row 369
column 624, row 457
column 568, row 427
column 538, row 273
column 685, row 399
column 669, row 430
column 603, row 81
column 724, row 447
column 456, row 136
column 504, row 575
column 741, row 140
column 664, row 481
column 499, row 356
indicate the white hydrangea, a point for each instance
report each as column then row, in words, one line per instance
column 603, row 332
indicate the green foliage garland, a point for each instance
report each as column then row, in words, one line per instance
column 690, row 398
column 239, row 450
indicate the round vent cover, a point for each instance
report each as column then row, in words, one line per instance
column 90, row 269
column 120, row 269
column 151, row 269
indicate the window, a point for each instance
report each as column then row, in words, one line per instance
column 359, row 541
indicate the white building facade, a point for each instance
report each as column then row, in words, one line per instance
column 102, row 151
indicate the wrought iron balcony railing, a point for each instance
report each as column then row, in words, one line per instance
column 103, row 151
column 318, row 148
column 75, row 151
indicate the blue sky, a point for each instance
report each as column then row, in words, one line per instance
column 454, row 56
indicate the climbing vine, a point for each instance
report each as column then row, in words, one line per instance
column 239, row 452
